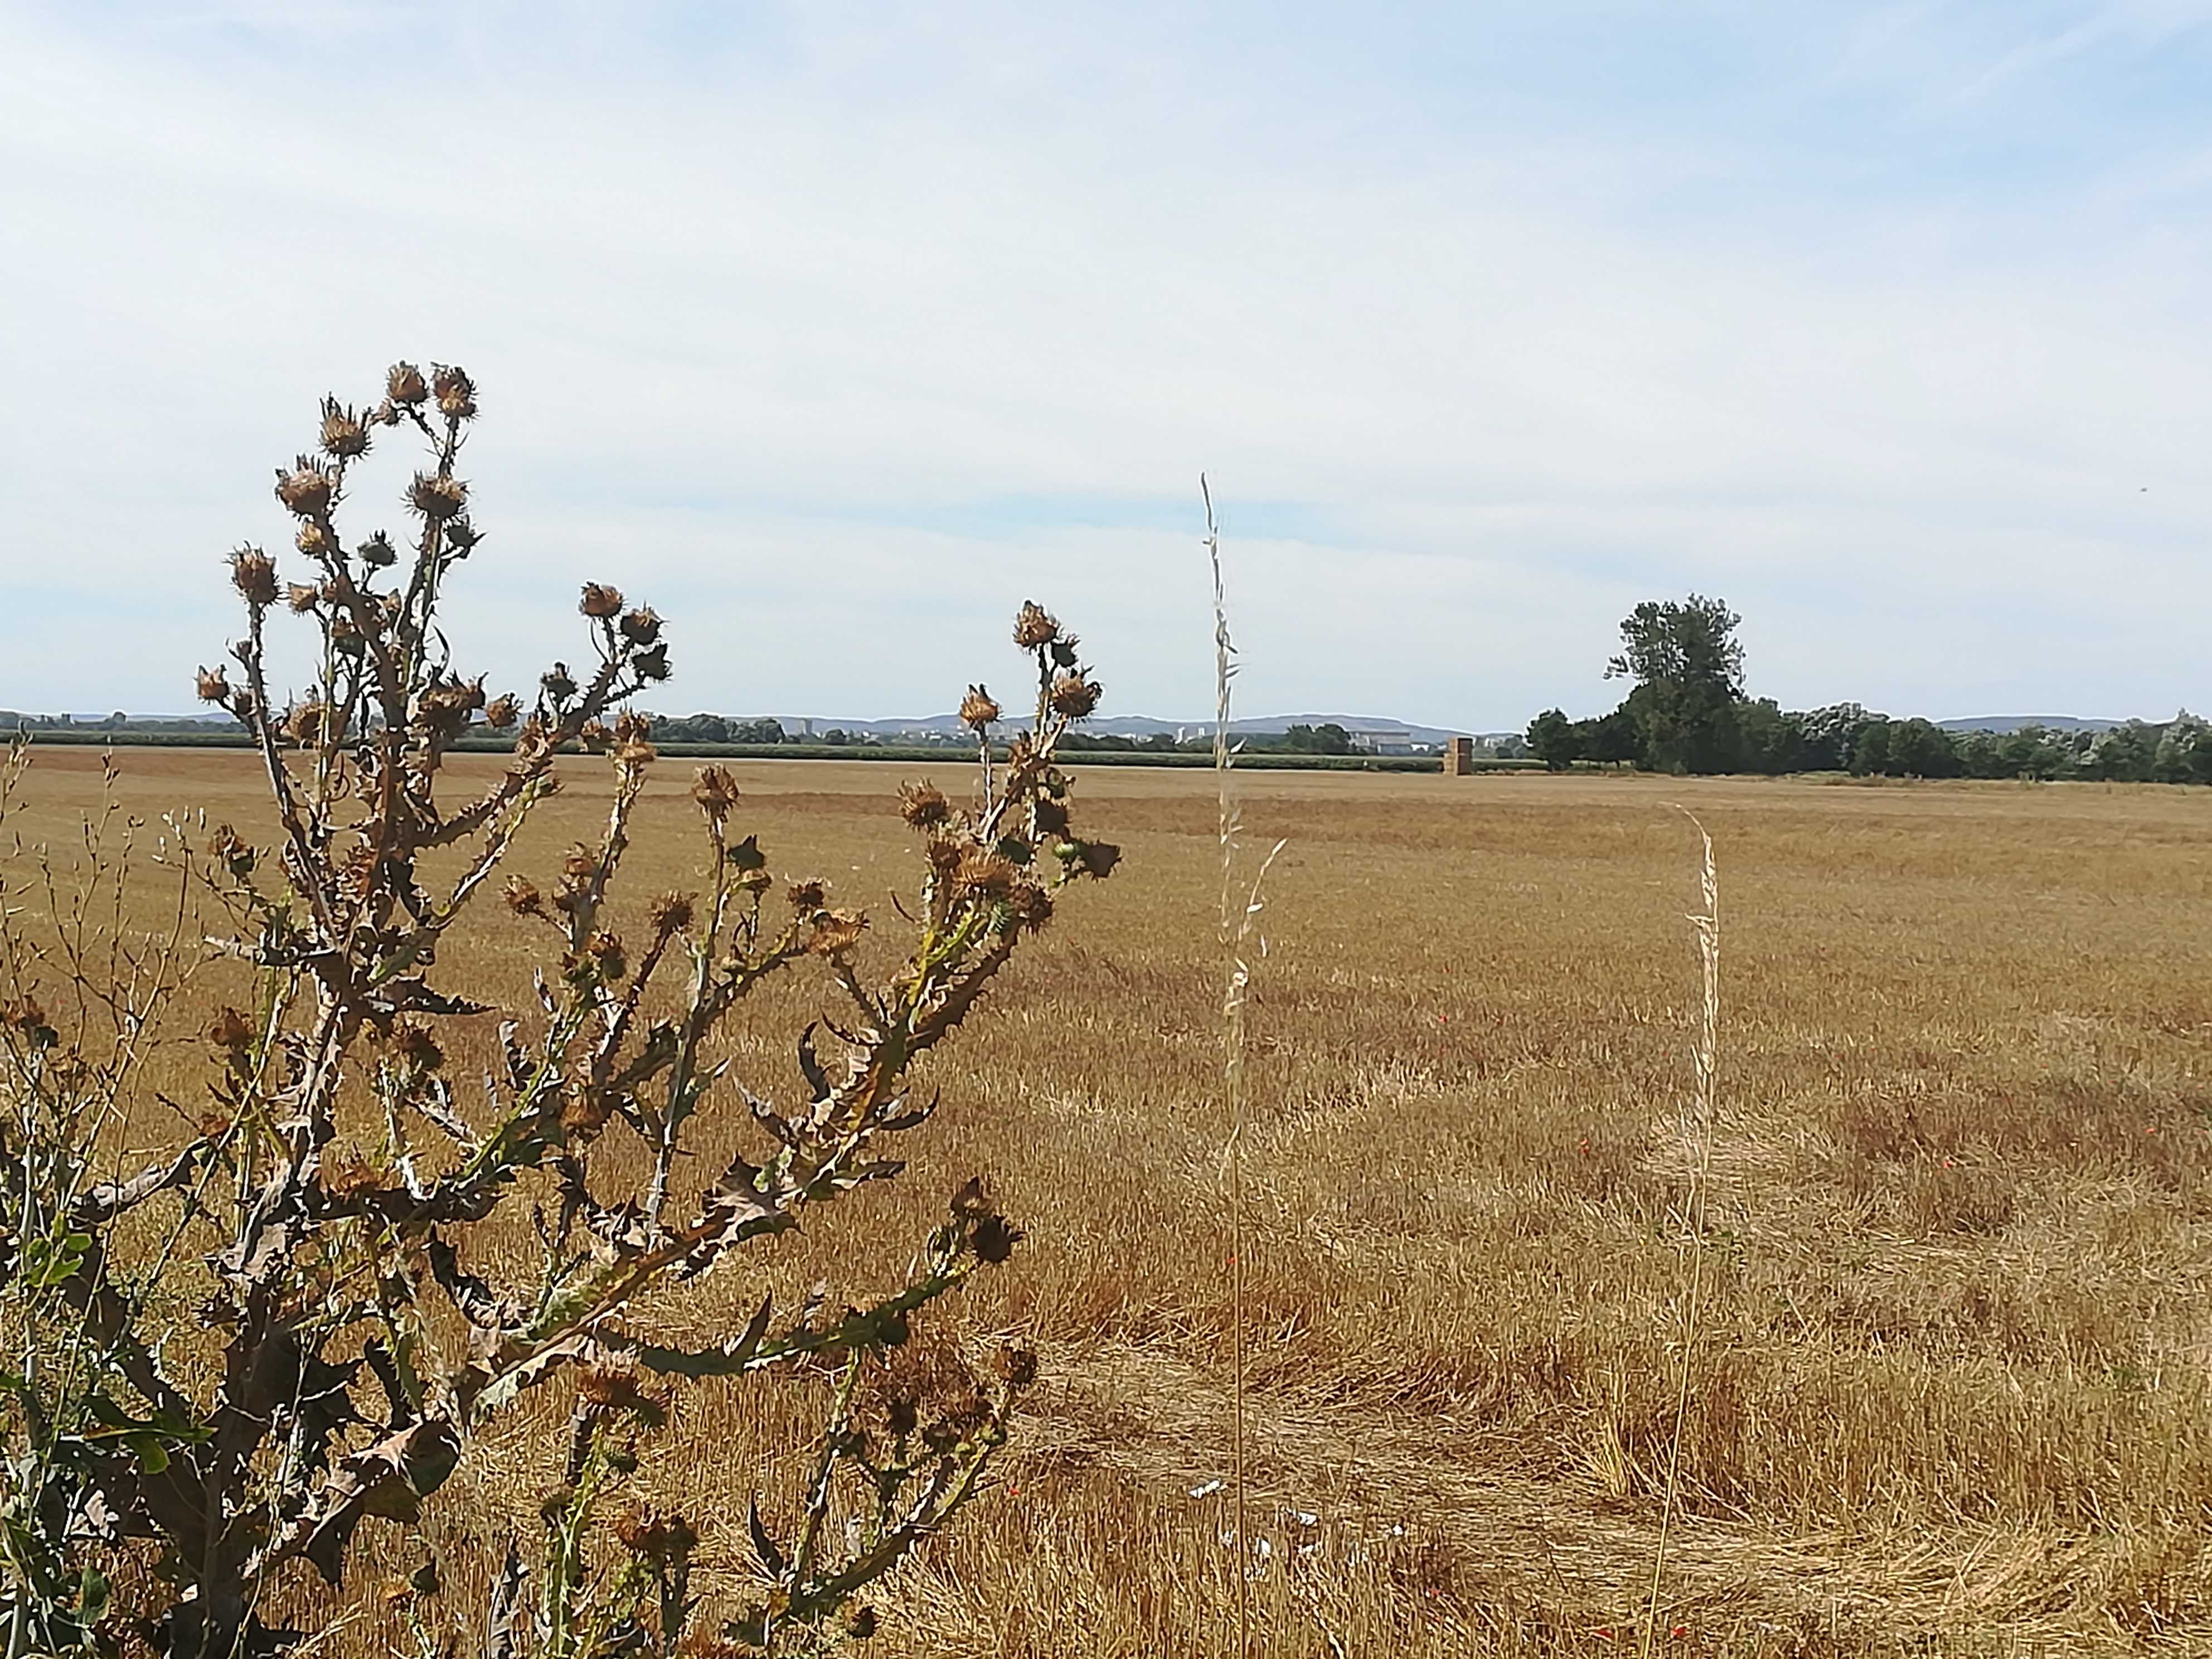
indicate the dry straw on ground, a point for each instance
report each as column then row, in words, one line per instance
column 1950, row 1393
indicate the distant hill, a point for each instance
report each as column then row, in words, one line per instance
column 2004, row 723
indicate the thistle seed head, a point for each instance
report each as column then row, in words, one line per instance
column 670, row 913
column 230, row 1031
column 995, row 1238
column 985, row 872
column 1099, row 858
column 641, row 626
column 1018, row 1366
column 462, row 537
column 557, row 682
column 977, row 710
column 613, row 1386
column 1031, row 904
column 404, row 385
column 715, row 789
column 254, row 574
column 214, row 685
column 346, row 433
column 836, row 932
column 807, row 896
column 302, row 597
column 586, row 1113
column 1074, row 696
column 1035, row 626
column 502, row 711
column 436, row 496
column 307, row 489
column 660, row 1539
column 456, row 392
column 524, row 898
column 378, row 553
column 923, row 805
column 303, row 724
column 235, row 852
column 600, row 602
column 945, row 854
column 415, row 1046
column 346, row 1173
column 605, row 951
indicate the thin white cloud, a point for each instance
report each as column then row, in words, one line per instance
column 772, row 332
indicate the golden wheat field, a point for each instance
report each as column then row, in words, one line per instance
column 1948, row 1385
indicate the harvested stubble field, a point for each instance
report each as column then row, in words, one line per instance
column 1948, row 1389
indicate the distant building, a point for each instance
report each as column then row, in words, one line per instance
column 1382, row 740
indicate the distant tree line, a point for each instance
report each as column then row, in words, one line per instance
column 716, row 728
column 1326, row 738
column 10, row 721
column 1687, row 711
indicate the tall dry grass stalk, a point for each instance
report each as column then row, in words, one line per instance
column 1698, row 1141
column 1241, row 905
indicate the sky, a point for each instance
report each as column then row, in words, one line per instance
column 836, row 332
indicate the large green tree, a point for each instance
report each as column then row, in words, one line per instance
column 1553, row 739
column 1687, row 667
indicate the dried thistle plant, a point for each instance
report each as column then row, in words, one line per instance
column 323, row 1218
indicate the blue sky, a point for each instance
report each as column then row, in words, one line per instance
column 837, row 331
